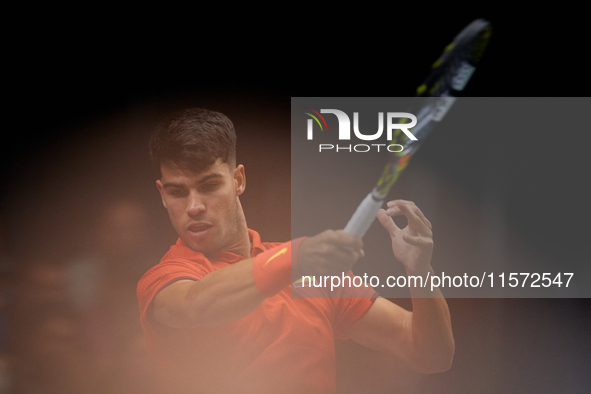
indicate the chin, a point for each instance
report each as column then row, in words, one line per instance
column 196, row 247
column 202, row 247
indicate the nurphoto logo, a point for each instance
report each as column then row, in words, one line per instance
column 396, row 122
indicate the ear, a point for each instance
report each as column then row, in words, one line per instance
column 239, row 180
column 161, row 190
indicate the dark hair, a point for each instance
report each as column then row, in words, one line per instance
column 194, row 139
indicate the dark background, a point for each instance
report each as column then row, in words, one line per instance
column 82, row 94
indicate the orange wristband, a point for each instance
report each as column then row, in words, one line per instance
column 274, row 269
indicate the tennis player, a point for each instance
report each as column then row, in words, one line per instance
column 217, row 311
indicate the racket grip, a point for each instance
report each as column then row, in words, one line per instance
column 363, row 216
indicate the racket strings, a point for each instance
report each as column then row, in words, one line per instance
column 464, row 51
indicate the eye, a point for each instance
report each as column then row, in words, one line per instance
column 209, row 187
column 178, row 193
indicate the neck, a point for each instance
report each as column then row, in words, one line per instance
column 241, row 244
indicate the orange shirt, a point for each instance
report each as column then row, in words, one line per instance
column 285, row 345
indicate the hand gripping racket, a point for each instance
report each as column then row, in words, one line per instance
column 449, row 75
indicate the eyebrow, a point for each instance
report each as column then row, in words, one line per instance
column 204, row 179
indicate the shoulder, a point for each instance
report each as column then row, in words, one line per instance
column 178, row 263
column 181, row 259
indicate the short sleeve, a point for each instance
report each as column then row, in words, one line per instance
column 163, row 275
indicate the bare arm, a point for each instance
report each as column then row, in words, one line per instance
column 230, row 293
column 422, row 338
column 219, row 297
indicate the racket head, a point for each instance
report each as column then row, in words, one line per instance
column 448, row 77
column 452, row 70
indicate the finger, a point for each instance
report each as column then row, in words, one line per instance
column 387, row 222
column 414, row 220
column 344, row 255
column 343, row 258
column 392, row 211
column 358, row 253
column 350, row 253
column 344, row 247
column 355, row 254
column 421, row 215
column 416, row 224
column 347, row 240
column 419, row 241
column 334, row 252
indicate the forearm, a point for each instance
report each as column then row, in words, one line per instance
column 432, row 337
column 224, row 295
column 227, row 294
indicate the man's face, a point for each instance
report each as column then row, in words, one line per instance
column 203, row 206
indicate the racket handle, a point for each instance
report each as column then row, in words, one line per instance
column 363, row 216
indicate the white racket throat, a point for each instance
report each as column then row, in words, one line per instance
column 364, row 215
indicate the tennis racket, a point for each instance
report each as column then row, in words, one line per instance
column 435, row 96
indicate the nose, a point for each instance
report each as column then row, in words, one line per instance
column 195, row 204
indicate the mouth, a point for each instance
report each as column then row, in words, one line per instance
column 198, row 229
